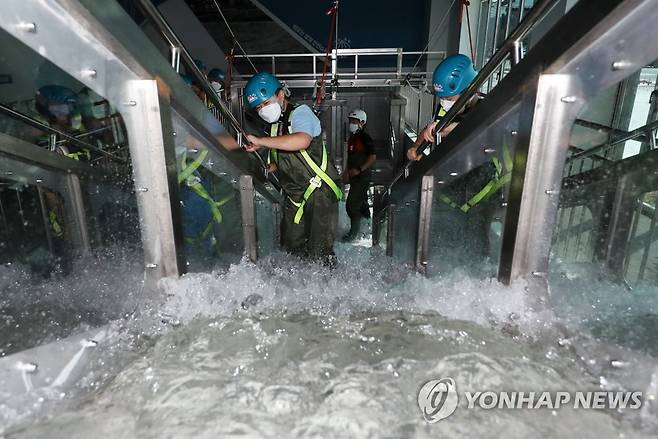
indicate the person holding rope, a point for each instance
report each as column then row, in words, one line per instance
column 310, row 180
column 468, row 194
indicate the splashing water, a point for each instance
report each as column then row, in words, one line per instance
column 284, row 348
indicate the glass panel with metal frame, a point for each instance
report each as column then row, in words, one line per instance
column 467, row 220
column 68, row 220
column 210, row 201
column 607, row 217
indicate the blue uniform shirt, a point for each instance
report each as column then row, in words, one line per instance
column 303, row 120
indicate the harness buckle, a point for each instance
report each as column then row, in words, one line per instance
column 316, row 182
column 192, row 180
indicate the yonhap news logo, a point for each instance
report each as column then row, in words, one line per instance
column 438, row 399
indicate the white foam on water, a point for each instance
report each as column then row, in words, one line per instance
column 342, row 353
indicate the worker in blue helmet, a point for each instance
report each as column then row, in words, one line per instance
column 217, row 78
column 471, row 195
column 58, row 104
column 451, row 77
column 310, row 180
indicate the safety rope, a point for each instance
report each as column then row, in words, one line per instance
column 235, row 40
column 229, row 71
column 465, row 6
column 431, row 39
column 333, row 12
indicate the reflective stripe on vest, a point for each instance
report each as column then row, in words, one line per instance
column 316, row 181
column 442, row 112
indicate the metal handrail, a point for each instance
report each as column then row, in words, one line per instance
column 168, row 33
column 345, row 53
column 646, row 130
column 50, row 130
column 511, row 46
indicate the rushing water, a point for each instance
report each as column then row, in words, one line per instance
column 290, row 349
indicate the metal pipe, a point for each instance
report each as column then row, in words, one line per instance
column 601, row 127
column 494, row 44
column 516, row 52
column 175, row 58
column 478, row 61
column 509, row 18
column 399, row 64
column 20, row 208
column 46, row 222
column 541, row 8
column 486, row 31
column 572, row 213
column 4, row 217
column 630, row 135
column 631, row 236
column 563, row 210
column 35, row 123
column 647, row 245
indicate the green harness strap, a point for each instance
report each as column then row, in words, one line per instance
column 272, row 155
column 316, row 181
column 188, row 170
column 54, row 224
column 442, row 112
column 490, row 188
column 186, row 175
column 217, row 216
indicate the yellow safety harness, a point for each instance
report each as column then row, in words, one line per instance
column 194, row 183
column 320, row 171
column 490, row 188
column 503, row 176
column 54, row 224
column 76, row 155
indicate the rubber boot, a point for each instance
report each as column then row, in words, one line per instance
column 354, row 231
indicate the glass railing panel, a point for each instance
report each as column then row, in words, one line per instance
column 467, row 221
column 267, row 226
column 68, row 218
column 604, row 257
column 210, row 201
column 404, row 213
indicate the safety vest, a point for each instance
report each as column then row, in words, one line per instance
column 503, row 175
column 58, row 232
column 194, row 183
column 320, row 177
column 76, row 155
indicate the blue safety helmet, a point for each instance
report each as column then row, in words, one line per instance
column 260, row 88
column 453, row 75
column 58, row 95
column 186, row 78
column 216, row 75
column 56, row 100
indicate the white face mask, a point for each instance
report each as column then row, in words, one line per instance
column 270, row 113
column 218, row 87
column 354, row 127
column 446, row 104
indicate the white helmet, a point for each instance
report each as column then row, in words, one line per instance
column 358, row 114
